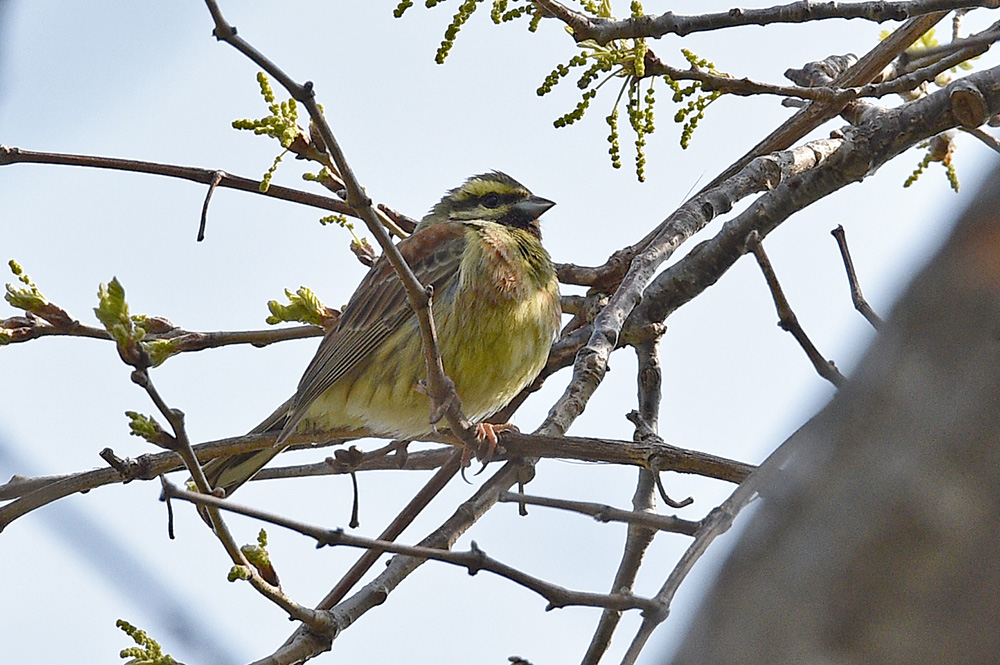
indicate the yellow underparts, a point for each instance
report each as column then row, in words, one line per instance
column 495, row 325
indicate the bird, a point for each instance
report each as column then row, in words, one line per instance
column 496, row 310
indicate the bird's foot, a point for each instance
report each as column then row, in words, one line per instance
column 486, row 435
column 487, row 440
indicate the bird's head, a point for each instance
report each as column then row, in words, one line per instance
column 493, row 197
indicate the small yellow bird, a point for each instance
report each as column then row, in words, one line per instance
column 496, row 310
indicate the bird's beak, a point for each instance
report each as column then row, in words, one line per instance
column 533, row 207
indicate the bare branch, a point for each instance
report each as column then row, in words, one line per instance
column 651, row 454
column 911, row 69
column 204, row 206
column 744, row 87
column 423, row 460
column 146, row 467
column 909, row 60
column 716, row 524
column 180, row 444
column 988, row 139
column 640, row 532
column 914, row 428
column 23, row 329
column 302, row 644
column 395, row 528
column 33, row 493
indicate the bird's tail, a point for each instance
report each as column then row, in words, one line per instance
column 228, row 473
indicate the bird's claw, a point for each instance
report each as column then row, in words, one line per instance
column 486, row 433
column 487, row 440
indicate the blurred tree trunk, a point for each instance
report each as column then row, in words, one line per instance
column 876, row 542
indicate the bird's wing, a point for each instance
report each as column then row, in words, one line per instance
column 377, row 309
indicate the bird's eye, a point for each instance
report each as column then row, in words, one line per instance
column 491, row 200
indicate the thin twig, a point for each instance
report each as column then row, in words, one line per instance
column 590, row 364
column 744, row 87
column 304, row 644
column 651, row 454
column 786, row 317
column 857, row 297
column 48, row 319
column 871, row 145
column 715, row 524
column 910, row 59
column 422, row 460
column 909, row 81
column 815, row 114
column 988, row 139
column 23, row 329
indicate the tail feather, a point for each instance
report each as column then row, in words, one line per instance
column 228, row 473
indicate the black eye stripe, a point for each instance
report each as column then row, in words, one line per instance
column 503, row 200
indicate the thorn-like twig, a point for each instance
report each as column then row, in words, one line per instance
column 786, row 317
column 216, row 179
column 857, row 297
column 351, row 459
column 683, row 503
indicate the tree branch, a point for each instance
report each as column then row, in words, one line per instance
column 180, row 444
column 815, row 114
column 23, row 329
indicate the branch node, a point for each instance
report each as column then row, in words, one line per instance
column 224, row 32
